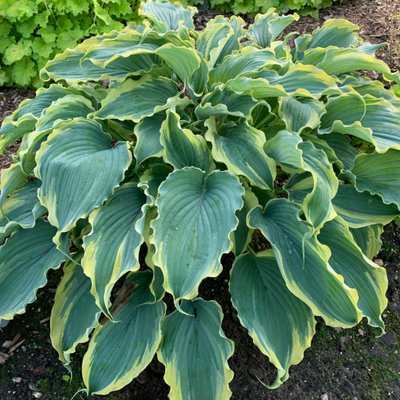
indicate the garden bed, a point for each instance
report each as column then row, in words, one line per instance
column 341, row 364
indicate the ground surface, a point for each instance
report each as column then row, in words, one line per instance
column 341, row 364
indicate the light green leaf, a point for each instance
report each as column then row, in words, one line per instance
column 211, row 42
column 266, row 305
column 17, row 51
column 249, row 59
column 148, row 138
column 335, row 32
column 74, row 313
column 312, row 280
column 222, row 101
column 335, row 61
column 14, row 177
column 267, row 27
column 60, row 111
column 10, row 132
column 241, row 237
column 344, row 151
column 87, row 169
column 283, row 149
column 300, row 80
column 362, row 209
column 166, row 16
column 44, row 98
column 300, row 113
column 358, row 271
column 21, row 209
column 134, row 100
column 25, row 259
column 112, row 247
column 240, row 148
column 379, row 174
column 368, row 239
column 182, row 148
column 138, row 324
column 153, row 177
column 195, row 351
column 370, row 119
column 191, row 205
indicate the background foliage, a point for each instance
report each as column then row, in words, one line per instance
column 34, row 31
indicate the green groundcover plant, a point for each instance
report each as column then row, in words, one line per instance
column 34, row 31
column 199, row 139
column 304, row 7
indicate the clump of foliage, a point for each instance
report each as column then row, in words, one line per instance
column 199, row 139
column 34, row 31
column 303, row 7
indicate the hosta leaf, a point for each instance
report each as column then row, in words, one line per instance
column 299, row 186
column 148, row 138
column 265, row 304
column 11, row 132
column 308, row 276
column 250, row 59
column 195, row 351
column 74, row 313
column 301, row 80
column 138, row 326
column 370, row 119
column 258, row 88
column 62, row 110
column 358, row 271
column 379, row 174
column 335, row 32
column 240, row 148
column 182, row 148
column 79, row 154
column 191, row 205
column 317, row 205
column 222, row 101
column 166, row 16
column 134, row 100
column 25, row 259
column 267, row 27
column 112, row 248
column 21, row 209
column 283, row 149
column 368, row 239
column 241, row 237
column 300, row 113
column 335, row 61
column 68, row 65
column 154, row 176
column 294, row 154
column 344, row 151
column 14, row 177
column 44, row 98
column 362, row 209
column 211, row 41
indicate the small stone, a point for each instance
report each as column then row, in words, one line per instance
column 23, row 348
column 7, row 344
column 17, row 380
column 361, row 332
column 32, row 386
column 378, row 261
column 325, row 397
column 37, row 395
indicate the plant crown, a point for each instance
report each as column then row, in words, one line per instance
column 199, row 139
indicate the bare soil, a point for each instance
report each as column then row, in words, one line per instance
column 341, row 364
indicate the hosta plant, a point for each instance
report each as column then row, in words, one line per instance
column 199, row 139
